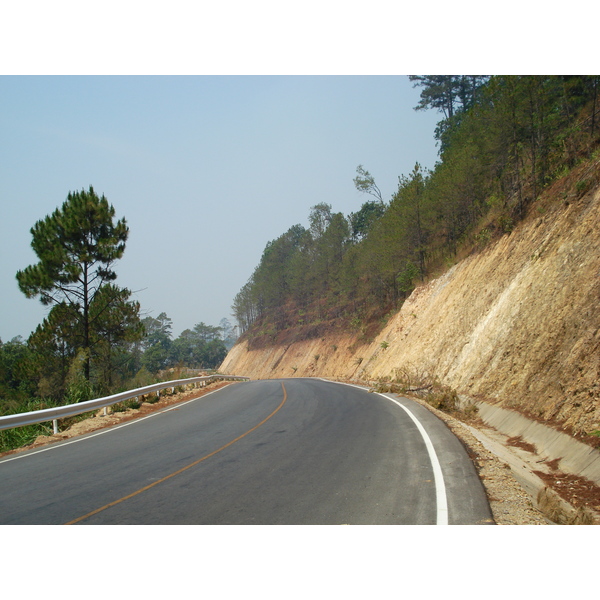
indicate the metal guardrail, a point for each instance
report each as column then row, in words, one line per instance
column 60, row 412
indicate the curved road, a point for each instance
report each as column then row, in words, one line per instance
column 296, row 451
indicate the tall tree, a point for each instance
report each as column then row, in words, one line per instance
column 76, row 246
column 116, row 324
column 244, row 306
column 451, row 95
column 54, row 346
column 365, row 182
column 448, row 93
column 319, row 218
column 272, row 279
column 228, row 333
column 329, row 252
column 157, row 331
column 157, row 342
column 362, row 221
column 411, row 201
column 15, row 379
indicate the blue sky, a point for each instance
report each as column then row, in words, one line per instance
column 206, row 170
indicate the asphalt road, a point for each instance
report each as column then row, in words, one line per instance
column 295, row 451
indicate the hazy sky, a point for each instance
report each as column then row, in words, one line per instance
column 206, row 170
column 277, row 106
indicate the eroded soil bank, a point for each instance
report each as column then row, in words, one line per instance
column 517, row 323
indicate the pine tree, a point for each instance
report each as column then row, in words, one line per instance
column 76, row 245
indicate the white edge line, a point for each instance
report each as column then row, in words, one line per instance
column 440, row 487
column 106, row 429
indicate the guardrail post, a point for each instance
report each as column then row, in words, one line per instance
column 55, row 426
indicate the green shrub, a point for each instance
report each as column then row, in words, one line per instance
column 17, row 437
column 443, row 398
column 132, row 403
column 583, row 186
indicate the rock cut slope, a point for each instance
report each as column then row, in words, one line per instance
column 515, row 324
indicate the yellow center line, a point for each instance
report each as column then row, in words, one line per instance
column 237, row 439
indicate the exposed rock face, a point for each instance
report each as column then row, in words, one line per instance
column 517, row 323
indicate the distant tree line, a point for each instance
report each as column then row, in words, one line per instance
column 204, row 346
column 501, row 139
column 94, row 340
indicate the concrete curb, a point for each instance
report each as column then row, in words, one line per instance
column 547, row 501
column 575, row 458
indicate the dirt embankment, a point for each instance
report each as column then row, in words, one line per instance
column 517, row 323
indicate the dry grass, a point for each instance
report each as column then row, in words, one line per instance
column 549, row 502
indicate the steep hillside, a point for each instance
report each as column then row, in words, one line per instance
column 517, row 323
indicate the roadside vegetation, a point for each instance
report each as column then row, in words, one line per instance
column 502, row 140
column 417, row 382
column 94, row 340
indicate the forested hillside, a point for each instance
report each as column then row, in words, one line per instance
column 502, row 141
